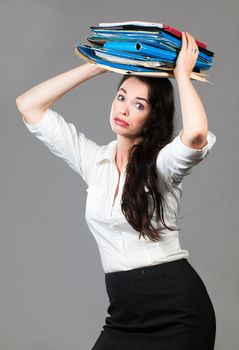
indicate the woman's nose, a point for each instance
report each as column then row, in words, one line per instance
column 123, row 109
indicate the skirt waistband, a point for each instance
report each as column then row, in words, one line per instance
column 163, row 269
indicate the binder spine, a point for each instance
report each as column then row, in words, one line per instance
column 179, row 34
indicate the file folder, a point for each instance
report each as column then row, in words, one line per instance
column 143, row 48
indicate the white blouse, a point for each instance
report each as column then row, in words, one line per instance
column 119, row 244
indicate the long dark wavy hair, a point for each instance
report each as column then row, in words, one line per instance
column 141, row 168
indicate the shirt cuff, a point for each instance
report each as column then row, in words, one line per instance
column 41, row 123
column 195, row 153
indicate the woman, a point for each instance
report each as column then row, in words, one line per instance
column 157, row 299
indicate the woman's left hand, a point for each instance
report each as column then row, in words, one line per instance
column 187, row 56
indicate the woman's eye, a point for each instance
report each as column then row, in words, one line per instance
column 120, row 96
column 141, row 106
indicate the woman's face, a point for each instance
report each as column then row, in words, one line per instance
column 131, row 104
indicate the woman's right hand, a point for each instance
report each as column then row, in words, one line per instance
column 99, row 70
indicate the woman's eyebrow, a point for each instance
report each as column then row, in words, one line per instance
column 139, row 98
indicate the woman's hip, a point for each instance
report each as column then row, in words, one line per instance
column 155, row 298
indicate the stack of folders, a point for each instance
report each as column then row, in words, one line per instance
column 140, row 48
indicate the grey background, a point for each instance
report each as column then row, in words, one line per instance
column 52, row 292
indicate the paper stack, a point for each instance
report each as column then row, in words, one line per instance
column 140, row 48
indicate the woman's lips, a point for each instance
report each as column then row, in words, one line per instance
column 120, row 122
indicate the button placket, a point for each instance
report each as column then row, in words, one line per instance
column 119, row 182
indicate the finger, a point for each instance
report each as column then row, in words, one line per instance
column 191, row 48
column 184, row 42
column 187, row 38
column 190, row 42
column 193, row 44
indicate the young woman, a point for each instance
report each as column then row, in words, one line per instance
column 156, row 298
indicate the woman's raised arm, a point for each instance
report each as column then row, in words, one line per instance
column 195, row 123
column 34, row 102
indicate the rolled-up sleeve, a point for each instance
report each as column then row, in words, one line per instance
column 176, row 160
column 63, row 140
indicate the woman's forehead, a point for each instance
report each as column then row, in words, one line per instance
column 134, row 85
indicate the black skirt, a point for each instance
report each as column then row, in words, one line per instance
column 159, row 307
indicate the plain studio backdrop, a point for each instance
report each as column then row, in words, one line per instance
column 52, row 291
